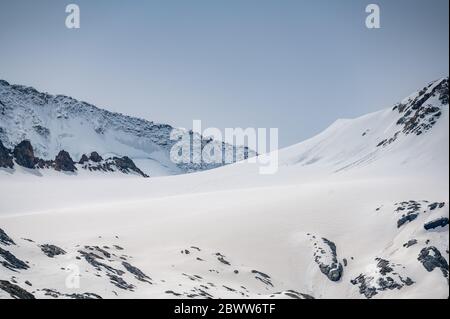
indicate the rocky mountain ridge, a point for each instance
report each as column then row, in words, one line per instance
column 57, row 122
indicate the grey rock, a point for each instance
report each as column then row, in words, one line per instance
column 388, row 279
column 15, row 291
column 120, row 282
column 52, row 250
column 95, row 157
column 431, row 258
column 333, row 270
column 84, row 159
column 440, row 222
column 5, row 239
column 136, row 272
column 63, row 162
column 56, row 294
column 406, row 218
column 410, row 243
column 24, row 154
column 126, row 165
column 12, row 262
column 6, row 160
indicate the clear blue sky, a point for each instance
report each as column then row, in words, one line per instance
column 292, row 64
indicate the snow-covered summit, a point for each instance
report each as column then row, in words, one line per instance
column 410, row 135
column 57, row 122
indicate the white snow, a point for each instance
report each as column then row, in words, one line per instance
column 338, row 185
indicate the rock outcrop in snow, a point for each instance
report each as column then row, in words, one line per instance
column 420, row 112
column 57, row 122
column 23, row 155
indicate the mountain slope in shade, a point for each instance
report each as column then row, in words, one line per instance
column 359, row 211
column 54, row 123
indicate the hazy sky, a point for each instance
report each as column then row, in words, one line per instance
column 292, row 64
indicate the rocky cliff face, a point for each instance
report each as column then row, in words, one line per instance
column 23, row 155
column 5, row 157
column 56, row 122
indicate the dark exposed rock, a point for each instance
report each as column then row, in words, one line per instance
column 406, row 218
column 433, row 206
column 345, row 261
column 384, row 267
column 105, row 253
column 297, row 295
column 122, row 164
column 5, row 239
column 120, row 282
column 6, row 160
column 412, row 209
column 222, row 259
column 431, row 258
column 136, row 272
column 52, row 250
column 56, row 294
column 410, row 243
column 40, row 163
column 95, row 157
column 24, row 154
column 386, row 279
column 440, row 222
column 126, row 165
column 229, row 288
column 332, row 268
column 63, row 162
column 264, row 278
column 12, row 262
column 170, row 292
column 418, row 116
column 84, row 159
column 15, row 291
column 94, row 260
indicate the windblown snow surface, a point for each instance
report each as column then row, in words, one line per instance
column 359, row 211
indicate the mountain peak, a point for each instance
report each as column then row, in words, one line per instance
column 56, row 122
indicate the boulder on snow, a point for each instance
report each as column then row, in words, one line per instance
column 63, row 162
column 24, row 154
column 5, row 157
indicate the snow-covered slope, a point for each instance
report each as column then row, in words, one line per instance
column 359, row 211
column 54, row 123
